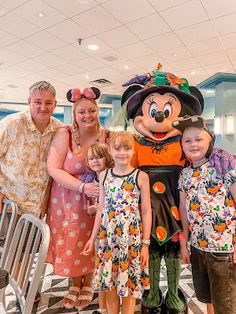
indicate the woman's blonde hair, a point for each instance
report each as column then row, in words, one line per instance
column 121, row 138
column 101, row 150
column 75, row 127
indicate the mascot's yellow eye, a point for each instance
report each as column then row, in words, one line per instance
column 153, row 110
column 167, row 110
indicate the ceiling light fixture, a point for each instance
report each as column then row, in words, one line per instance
column 126, row 67
column 193, row 72
column 93, row 47
column 41, row 14
column 87, row 76
column 174, row 55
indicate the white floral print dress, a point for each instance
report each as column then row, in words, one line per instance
column 118, row 255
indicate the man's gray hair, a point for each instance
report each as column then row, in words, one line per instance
column 42, row 86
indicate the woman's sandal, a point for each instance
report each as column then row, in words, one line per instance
column 71, row 297
column 87, row 296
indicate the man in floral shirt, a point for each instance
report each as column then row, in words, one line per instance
column 25, row 138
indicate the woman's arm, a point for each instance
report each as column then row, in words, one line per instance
column 55, row 161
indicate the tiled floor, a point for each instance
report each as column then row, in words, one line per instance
column 54, row 288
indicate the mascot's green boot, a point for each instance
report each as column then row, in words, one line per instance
column 175, row 301
column 152, row 299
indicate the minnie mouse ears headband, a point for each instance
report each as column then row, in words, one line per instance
column 75, row 94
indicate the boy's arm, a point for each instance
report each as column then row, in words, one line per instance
column 233, row 192
column 183, row 239
column 183, row 214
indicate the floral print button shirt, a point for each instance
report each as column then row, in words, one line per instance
column 211, row 210
column 23, row 156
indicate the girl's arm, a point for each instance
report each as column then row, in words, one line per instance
column 146, row 209
column 233, row 192
column 55, row 162
column 89, row 246
column 146, row 214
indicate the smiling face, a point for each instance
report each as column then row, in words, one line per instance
column 121, row 154
column 159, row 111
column 42, row 105
column 121, row 148
column 86, row 114
column 195, row 143
column 96, row 162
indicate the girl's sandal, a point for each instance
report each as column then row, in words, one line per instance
column 71, row 297
column 86, row 294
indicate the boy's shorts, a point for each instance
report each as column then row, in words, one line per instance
column 214, row 279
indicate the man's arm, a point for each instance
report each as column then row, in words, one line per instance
column 6, row 138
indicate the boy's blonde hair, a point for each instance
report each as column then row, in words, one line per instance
column 121, row 138
column 101, row 150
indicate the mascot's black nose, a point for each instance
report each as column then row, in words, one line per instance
column 159, row 116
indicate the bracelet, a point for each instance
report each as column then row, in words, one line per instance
column 147, row 242
column 81, row 187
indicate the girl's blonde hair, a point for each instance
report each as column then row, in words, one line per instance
column 101, row 150
column 75, row 127
column 121, row 138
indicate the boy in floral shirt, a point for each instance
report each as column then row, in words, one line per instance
column 208, row 213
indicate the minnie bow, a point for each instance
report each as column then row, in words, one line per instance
column 76, row 94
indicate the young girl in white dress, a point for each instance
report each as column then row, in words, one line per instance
column 123, row 226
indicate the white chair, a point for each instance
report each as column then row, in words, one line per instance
column 10, row 221
column 25, row 259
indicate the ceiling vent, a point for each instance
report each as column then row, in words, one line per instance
column 111, row 58
column 12, row 86
column 101, row 82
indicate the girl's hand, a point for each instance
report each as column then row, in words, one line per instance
column 89, row 247
column 92, row 209
column 185, row 254
column 144, row 256
column 91, row 189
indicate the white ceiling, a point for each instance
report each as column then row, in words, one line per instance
column 193, row 39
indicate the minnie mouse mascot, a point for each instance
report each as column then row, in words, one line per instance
column 153, row 102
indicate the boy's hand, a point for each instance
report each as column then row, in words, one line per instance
column 144, row 256
column 185, row 254
column 89, row 248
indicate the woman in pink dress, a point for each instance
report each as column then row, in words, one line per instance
column 70, row 224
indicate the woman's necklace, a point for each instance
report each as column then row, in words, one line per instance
column 97, row 139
